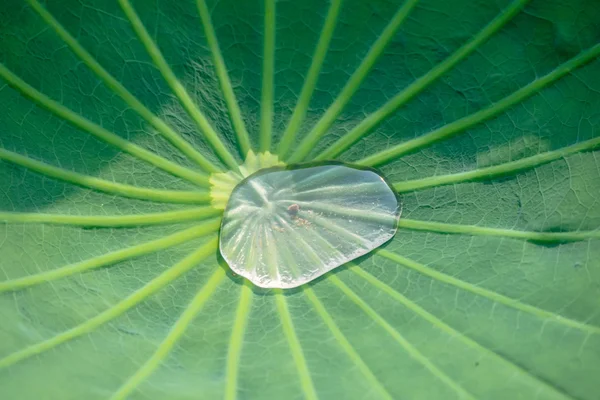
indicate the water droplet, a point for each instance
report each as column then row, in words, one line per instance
column 285, row 227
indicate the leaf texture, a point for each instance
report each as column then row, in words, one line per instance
column 483, row 116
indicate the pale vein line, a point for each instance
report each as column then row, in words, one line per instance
column 460, row 125
column 111, row 258
column 367, row 215
column 286, row 251
column 478, row 290
column 251, row 253
column 236, row 341
column 331, row 226
column 345, row 344
column 102, row 185
column 376, row 50
column 497, row 170
column 440, row 227
column 336, row 332
column 410, row 349
column 333, row 189
column 178, row 89
column 232, row 104
column 435, row 321
column 268, row 76
column 177, row 331
column 290, row 333
column 309, row 250
column 367, row 125
column 312, row 77
column 113, row 312
column 118, row 88
column 270, row 252
column 99, row 132
column 111, row 221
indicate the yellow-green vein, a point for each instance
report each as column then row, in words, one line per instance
column 289, row 135
column 131, row 301
column 290, row 333
column 111, row 258
column 497, row 170
column 236, row 341
column 99, row 132
column 376, row 50
column 178, row 89
column 367, row 125
column 440, row 227
column 345, row 344
column 410, row 349
column 158, row 124
column 491, row 295
column 232, row 105
column 174, row 335
column 438, row 323
column 112, row 221
column 493, row 110
column 102, row 185
column 268, row 76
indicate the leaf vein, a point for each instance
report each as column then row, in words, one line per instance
column 111, row 258
column 290, row 333
column 491, row 295
column 174, row 335
column 178, row 89
column 102, row 185
column 497, row 170
column 480, row 116
column 116, row 310
column 398, row 337
column 236, row 341
column 376, row 50
column 232, row 104
column 373, row 120
column 395, row 294
column 165, row 130
column 440, row 227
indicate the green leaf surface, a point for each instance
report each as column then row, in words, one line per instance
column 115, row 115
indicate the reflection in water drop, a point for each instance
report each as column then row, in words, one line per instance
column 285, row 227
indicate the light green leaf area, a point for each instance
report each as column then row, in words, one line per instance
column 114, row 117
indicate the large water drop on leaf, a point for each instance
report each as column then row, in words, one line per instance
column 284, row 228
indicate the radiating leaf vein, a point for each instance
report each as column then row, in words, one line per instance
column 174, row 335
column 97, row 131
column 497, row 297
column 131, row 301
column 410, row 349
column 122, row 92
column 111, row 258
column 356, row 79
column 290, row 333
column 440, row 227
column 236, row 341
column 182, row 94
column 495, row 109
column 497, row 170
column 232, row 104
column 102, row 185
column 438, row 323
column 344, row 343
column 389, row 108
